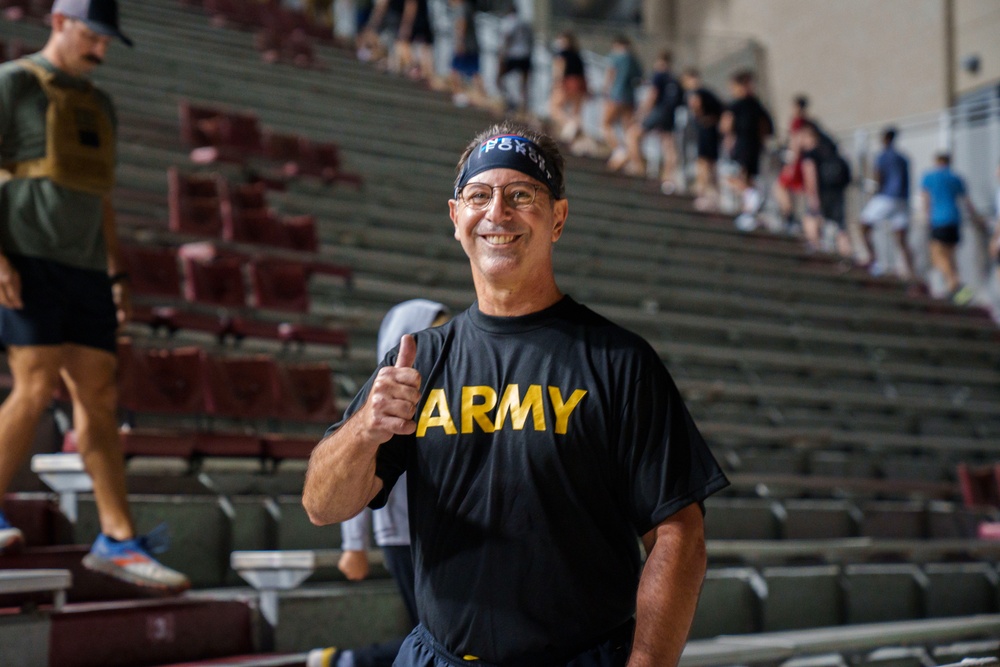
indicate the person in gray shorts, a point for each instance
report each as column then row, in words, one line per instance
column 890, row 205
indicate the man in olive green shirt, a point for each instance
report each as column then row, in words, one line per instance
column 62, row 291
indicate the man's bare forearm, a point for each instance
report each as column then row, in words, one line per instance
column 341, row 478
column 669, row 588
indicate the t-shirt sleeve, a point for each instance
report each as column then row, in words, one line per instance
column 390, row 461
column 664, row 460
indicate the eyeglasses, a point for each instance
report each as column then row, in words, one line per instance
column 519, row 194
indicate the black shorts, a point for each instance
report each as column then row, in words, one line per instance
column 62, row 304
column 947, row 234
column 747, row 155
column 708, row 142
column 420, row 649
column 659, row 119
column 832, row 207
column 509, row 65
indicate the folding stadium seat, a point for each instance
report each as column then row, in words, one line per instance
column 740, row 519
column 882, row 593
column 279, row 284
column 246, row 217
column 894, row 520
column 161, row 380
column 218, row 135
column 292, row 332
column 945, row 520
column 279, row 447
column 307, row 392
column 227, row 444
column 961, row 589
column 283, row 148
column 323, row 160
column 819, row 519
column 299, row 232
column 980, row 485
column 144, row 442
column 242, row 14
column 152, row 270
column 802, row 597
column 199, row 124
column 194, row 204
column 730, row 603
column 244, row 387
column 897, row 656
column 212, row 278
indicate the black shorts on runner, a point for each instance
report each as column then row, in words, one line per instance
column 832, row 208
column 747, row 156
column 659, row 119
column 947, row 234
column 515, row 65
column 708, row 142
column 62, row 304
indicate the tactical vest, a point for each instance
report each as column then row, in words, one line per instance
column 79, row 139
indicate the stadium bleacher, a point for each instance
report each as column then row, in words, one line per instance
column 852, row 415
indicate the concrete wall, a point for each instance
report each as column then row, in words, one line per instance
column 977, row 26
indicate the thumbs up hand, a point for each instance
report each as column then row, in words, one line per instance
column 392, row 402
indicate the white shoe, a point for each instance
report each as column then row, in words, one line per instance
column 745, row 222
column 10, row 537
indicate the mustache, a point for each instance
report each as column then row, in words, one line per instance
column 93, row 59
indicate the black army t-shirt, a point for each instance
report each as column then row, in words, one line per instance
column 545, row 444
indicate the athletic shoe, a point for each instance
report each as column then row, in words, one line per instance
column 130, row 561
column 329, row 657
column 963, row 295
column 10, row 537
column 746, row 222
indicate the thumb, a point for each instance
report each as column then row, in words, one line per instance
column 407, row 352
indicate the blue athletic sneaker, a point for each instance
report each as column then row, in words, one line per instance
column 10, row 537
column 130, row 561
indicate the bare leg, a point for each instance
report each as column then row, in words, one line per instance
column 668, row 170
column 35, row 370
column 633, row 137
column 943, row 259
column 812, row 226
column 905, row 263
column 89, row 375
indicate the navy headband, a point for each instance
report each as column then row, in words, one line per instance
column 509, row 151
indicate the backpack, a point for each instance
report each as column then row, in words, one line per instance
column 833, row 171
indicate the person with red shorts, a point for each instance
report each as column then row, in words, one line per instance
column 790, row 183
column 569, row 88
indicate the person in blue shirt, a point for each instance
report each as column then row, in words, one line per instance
column 623, row 75
column 890, row 204
column 944, row 194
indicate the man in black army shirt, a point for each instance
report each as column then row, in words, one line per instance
column 539, row 440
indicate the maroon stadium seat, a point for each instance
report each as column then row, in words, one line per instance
column 244, row 387
column 323, row 160
column 303, row 333
column 215, row 443
column 161, row 380
column 299, row 232
column 307, row 392
column 281, row 446
column 194, row 204
column 980, row 485
column 279, row 284
column 152, row 270
column 212, row 277
column 246, row 217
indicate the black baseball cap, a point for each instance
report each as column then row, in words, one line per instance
column 101, row 16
